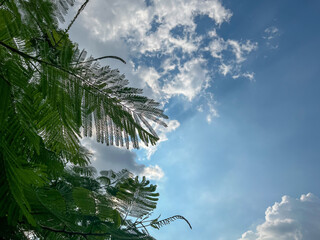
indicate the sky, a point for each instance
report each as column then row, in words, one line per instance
column 239, row 81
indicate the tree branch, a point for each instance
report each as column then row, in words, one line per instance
column 72, row 21
column 104, row 57
column 76, row 16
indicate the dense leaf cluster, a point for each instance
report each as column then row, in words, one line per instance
column 78, row 205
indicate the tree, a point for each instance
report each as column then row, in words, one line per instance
column 49, row 91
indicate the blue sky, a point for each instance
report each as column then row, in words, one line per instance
column 240, row 83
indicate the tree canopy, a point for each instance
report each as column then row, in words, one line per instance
column 52, row 94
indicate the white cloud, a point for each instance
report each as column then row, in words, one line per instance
column 291, row 219
column 271, row 32
column 129, row 23
column 190, row 80
column 200, row 108
column 108, row 20
column 249, row 235
column 212, row 112
column 169, row 64
column 115, row 158
column 271, row 35
column 219, row 47
column 150, row 82
column 153, row 172
column 162, row 133
column 112, row 157
column 240, row 49
column 249, row 75
column 225, row 69
column 216, row 47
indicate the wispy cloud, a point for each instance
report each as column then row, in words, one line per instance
column 271, row 35
column 216, row 47
column 220, row 48
column 225, row 69
column 212, row 112
column 291, row 219
column 248, row 75
column 240, row 49
column 271, row 32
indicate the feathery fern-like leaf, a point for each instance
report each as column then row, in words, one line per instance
column 158, row 224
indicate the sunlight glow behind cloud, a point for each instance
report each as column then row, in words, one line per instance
column 115, row 158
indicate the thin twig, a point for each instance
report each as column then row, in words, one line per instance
column 72, row 21
column 104, row 57
column 76, row 16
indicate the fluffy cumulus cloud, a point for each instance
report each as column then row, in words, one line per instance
column 291, row 219
column 167, row 56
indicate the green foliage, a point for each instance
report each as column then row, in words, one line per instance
column 76, row 206
column 136, row 198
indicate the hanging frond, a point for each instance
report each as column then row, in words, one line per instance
column 117, row 102
column 158, row 224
